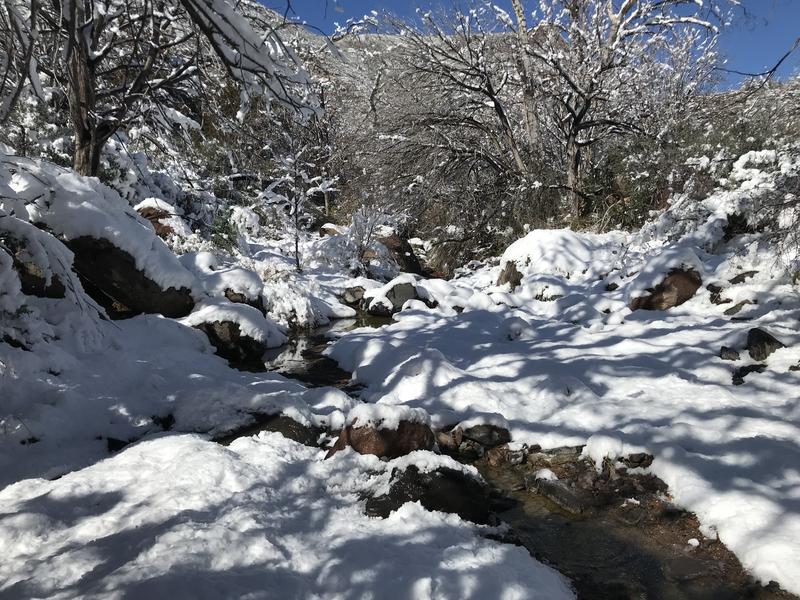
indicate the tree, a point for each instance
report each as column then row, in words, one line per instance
column 603, row 67
column 18, row 31
column 121, row 62
column 295, row 183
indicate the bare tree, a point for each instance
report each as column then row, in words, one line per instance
column 18, row 29
column 122, row 61
column 599, row 63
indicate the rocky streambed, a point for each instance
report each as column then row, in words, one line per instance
column 614, row 532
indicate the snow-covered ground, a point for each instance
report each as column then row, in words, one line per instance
column 562, row 360
column 181, row 517
column 559, row 360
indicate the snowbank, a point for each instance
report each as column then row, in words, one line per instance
column 251, row 322
column 264, row 518
column 72, row 206
column 566, row 252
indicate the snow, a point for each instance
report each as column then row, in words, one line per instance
column 560, row 361
column 216, row 279
column 385, row 416
column 565, row 252
column 72, row 206
column 251, row 322
column 584, row 370
column 264, row 518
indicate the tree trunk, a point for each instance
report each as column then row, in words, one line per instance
column 576, row 199
column 80, row 72
column 526, row 72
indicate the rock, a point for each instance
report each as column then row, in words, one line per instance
column 154, row 215
column 110, row 276
column 397, row 296
column 503, row 455
column 402, row 253
column 446, row 490
column 241, row 351
column 736, row 225
column 449, row 440
column 612, row 287
column 716, row 294
column 487, row 435
column 761, row 344
column 637, row 460
column 353, row 295
column 385, row 443
column 572, row 500
column 742, row 372
column 742, row 277
column 328, row 230
column 678, row 286
column 291, row 429
column 726, row 353
column 510, row 275
column 736, row 308
column 239, row 298
column 31, row 277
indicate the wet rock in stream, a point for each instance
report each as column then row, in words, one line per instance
column 446, row 490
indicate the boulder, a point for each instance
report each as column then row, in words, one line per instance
column 510, row 275
column 154, row 215
column 503, row 455
column 383, row 442
column 397, row 296
column 761, row 344
column 446, row 490
column 328, row 230
column 239, row 298
column 240, row 350
column 402, row 253
column 487, row 435
column 353, row 295
column 110, row 276
column 715, row 291
column 31, row 276
column 726, row 353
column 678, row 286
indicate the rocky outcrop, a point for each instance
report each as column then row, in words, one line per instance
column 110, row 276
column 677, row 287
column 510, row 275
column 241, row 351
column 761, row 344
column 726, row 353
column 383, row 442
column 446, row 490
column 742, row 372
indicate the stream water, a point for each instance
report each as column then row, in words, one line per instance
column 608, row 554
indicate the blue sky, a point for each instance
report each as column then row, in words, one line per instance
column 755, row 42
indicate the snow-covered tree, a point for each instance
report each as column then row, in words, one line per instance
column 294, row 184
column 120, row 62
